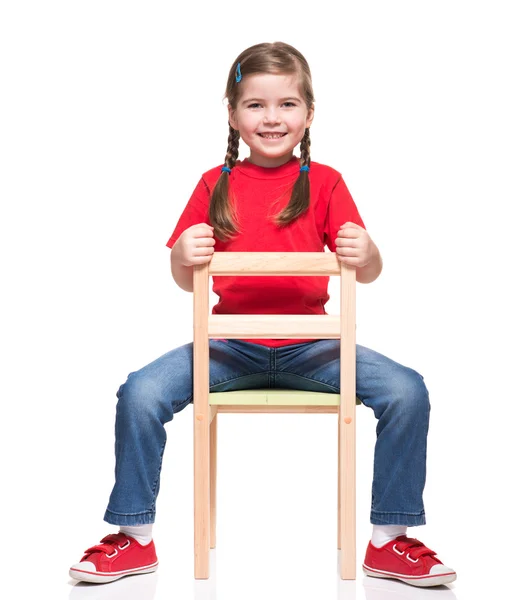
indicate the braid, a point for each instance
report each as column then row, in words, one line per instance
column 300, row 196
column 220, row 210
column 305, row 149
column 232, row 151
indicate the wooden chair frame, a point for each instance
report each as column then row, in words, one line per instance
column 208, row 326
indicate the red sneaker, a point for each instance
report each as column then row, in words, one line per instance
column 117, row 555
column 409, row 560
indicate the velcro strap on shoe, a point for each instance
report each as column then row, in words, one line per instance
column 421, row 551
column 107, row 544
column 415, row 547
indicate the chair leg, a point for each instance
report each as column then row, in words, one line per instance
column 201, row 496
column 346, row 494
column 339, row 499
column 213, row 480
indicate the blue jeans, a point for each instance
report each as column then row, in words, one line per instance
column 151, row 396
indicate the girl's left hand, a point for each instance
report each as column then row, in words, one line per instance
column 354, row 245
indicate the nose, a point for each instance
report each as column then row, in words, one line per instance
column 271, row 116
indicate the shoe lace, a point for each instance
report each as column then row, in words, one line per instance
column 108, row 544
column 415, row 548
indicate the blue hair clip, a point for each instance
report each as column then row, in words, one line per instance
column 238, row 73
column 226, row 169
column 305, row 168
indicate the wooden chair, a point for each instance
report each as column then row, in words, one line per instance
column 207, row 405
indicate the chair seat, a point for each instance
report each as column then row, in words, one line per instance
column 274, row 397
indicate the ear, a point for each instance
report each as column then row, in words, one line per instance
column 232, row 119
column 310, row 117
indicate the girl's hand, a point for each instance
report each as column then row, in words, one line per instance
column 354, row 245
column 195, row 245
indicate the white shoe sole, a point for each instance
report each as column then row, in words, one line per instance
column 97, row 577
column 425, row 581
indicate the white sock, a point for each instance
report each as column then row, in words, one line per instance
column 142, row 533
column 385, row 533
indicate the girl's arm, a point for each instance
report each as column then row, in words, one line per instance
column 183, row 276
column 372, row 270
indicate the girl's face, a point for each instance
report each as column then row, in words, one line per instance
column 271, row 117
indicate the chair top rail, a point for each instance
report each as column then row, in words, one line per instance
column 274, row 263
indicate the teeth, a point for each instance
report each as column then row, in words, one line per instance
column 273, row 136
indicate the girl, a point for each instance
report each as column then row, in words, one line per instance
column 271, row 201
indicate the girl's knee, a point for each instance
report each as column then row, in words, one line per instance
column 142, row 395
column 412, row 394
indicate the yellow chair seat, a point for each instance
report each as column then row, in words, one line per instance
column 274, row 397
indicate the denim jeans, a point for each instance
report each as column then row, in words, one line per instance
column 152, row 395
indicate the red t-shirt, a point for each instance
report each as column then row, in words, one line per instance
column 259, row 194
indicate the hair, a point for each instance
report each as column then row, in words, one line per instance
column 276, row 58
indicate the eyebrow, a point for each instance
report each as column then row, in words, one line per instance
column 261, row 100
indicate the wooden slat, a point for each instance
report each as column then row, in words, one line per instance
column 274, row 326
column 201, row 424
column 213, row 481
column 212, row 413
column 347, row 423
column 274, row 263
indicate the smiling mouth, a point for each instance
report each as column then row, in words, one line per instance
column 272, row 136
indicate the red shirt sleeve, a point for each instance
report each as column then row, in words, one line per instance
column 341, row 209
column 196, row 211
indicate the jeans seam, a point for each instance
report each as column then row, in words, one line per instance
column 398, row 518
column 311, row 379
column 336, row 390
column 237, row 377
column 386, row 512
column 228, row 380
column 143, row 512
column 272, row 374
column 158, row 477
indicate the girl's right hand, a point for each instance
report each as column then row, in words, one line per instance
column 195, row 245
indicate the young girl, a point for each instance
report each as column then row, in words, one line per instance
column 271, row 201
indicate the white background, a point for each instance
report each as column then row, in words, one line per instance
column 110, row 112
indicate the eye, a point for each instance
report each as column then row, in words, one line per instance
column 288, row 104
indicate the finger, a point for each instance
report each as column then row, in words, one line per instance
column 346, row 251
column 204, row 232
column 202, row 260
column 205, row 251
column 346, row 242
column 349, row 233
column 203, row 226
column 204, row 241
column 350, row 224
column 352, row 261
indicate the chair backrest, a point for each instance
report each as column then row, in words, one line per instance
column 342, row 326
